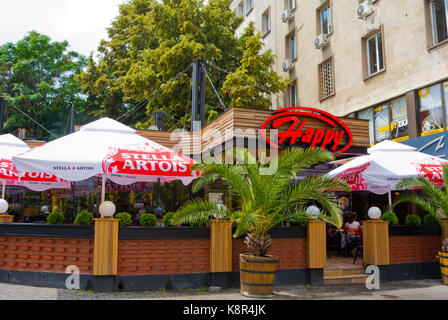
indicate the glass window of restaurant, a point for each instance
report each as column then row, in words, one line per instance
column 432, row 109
column 388, row 120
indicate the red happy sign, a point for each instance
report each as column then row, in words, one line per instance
column 299, row 133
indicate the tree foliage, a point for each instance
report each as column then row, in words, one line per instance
column 153, row 41
column 38, row 77
column 254, row 80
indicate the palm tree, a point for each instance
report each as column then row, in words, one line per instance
column 266, row 200
column 433, row 200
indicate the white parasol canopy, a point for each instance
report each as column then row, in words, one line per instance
column 387, row 164
column 108, row 148
column 11, row 146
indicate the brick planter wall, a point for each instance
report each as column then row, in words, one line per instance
column 45, row 254
column 289, row 251
column 414, row 248
column 167, row 256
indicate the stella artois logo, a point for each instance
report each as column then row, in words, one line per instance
column 353, row 177
column 432, row 170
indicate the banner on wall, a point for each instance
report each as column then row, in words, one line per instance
column 434, row 144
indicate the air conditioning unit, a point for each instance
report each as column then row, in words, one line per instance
column 365, row 9
column 287, row 65
column 287, row 16
column 321, row 41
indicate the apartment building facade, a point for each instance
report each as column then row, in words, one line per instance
column 382, row 61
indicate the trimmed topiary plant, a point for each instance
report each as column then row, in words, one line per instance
column 390, row 217
column 148, row 220
column 55, row 217
column 167, row 219
column 84, row 218
column 125, row 219
column 430, row 220
column 413, row 220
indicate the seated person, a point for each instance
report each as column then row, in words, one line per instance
column 352, row 229
column 352, row 226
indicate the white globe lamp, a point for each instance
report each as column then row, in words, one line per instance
column 313, row 211
column 374, row 213
column 107, row 209
column 44, row 209
column 3, row 206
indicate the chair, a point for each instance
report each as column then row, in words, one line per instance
column 359, row 249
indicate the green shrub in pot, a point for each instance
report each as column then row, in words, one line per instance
column 167, row 219
column 55, row 217
column 148, row 220
column 390, row 217
column 430, row 220
column 84, row 218
column 125, row 219
column 413, row 220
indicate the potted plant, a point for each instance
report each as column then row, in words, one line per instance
column 443, row 256
column 125, row 219
column 148, row 220
column 264, row 201
column 84, row 218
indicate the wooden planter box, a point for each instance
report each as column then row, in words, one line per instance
column 316, row 245
column 220, row 246
column 376, row 242
column 257, row 275
column 4, row 218
column 105, row 254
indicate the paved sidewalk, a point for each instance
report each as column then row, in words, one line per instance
column 399, row 290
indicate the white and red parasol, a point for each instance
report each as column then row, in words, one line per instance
column 37, row 181
column 387, row 164
column 108, row 148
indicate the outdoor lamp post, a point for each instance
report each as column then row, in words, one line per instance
column 374, row 213
column 3, row 206
column 313, row 211
column 107, row 209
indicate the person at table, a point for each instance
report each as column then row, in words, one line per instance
column 351, row 224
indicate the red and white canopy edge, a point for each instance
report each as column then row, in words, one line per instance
column 386, row 164
column 37, row 181
column 108, row 148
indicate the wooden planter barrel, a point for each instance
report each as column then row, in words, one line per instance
column 257, row 275
column 443, row 256
column 4, row 218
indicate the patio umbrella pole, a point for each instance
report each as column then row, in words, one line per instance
column 3, row 189
column 390, row 198
column 103, row 189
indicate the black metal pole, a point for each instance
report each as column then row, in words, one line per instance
column 72, row 119
column 2, row 111
column 194, row 100
column 202, row 96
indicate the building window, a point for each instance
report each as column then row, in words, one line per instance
column 292, row 42
column 241, row 9
column 375, row 59
column 439, row 18
column 326, row 79
column 293, row 102
column 399, row 128
column 381, row 122
column 325, row 20
column 431, row 110
column 249, row 6
column 367, row 114
column 388, row 120
column 266, row 20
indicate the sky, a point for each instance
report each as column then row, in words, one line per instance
column 82, row 23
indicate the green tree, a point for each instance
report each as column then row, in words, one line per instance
column 38, row 77
column 153, row 41
column 266, row 200
column 433, row 199
column 254, row 80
